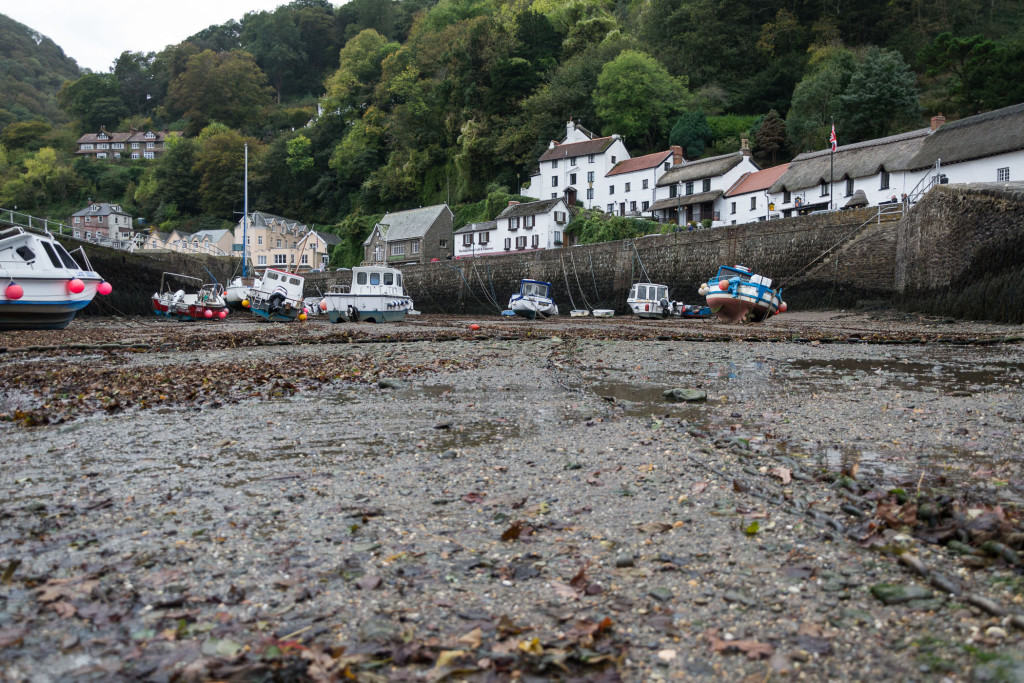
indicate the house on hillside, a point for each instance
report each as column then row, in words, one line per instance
column 102, row 222
column 689, row 192
column 316, row 247
column 748, row 200
column 575, row 168
column 276, row 241
column 630, row 187
column 134, row 144
column 521, row 226
column 986, row 148
column 413, row 236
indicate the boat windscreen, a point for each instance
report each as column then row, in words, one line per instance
column 25, row 252
column 65, row 257
column 360, row 278
column 51, row 254
column 662, row 293
column 389, row 278
column 374, row 278
column 271, row 275
column 294, row 281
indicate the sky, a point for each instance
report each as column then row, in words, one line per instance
column 95, row 32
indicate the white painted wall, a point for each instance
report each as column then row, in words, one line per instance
column 546, row 228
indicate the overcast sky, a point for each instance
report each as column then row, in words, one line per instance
column 95, row 32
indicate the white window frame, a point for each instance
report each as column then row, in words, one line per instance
column 1003, row 175
column 521, row 242
column 149, row 155
column 467, row 239
column 483, row 237
column 280, row 259
column 398, row 249
column 261, row 260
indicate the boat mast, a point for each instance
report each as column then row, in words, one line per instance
column 245, row 211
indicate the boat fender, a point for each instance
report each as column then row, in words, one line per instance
column 353, row 314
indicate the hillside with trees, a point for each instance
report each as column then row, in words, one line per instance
column 32, row 70
column 381, row 105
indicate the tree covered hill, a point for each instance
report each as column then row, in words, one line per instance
column 424, row 101
column 32, row 70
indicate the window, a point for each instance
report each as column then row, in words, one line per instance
column 529, row 221
column 88, row 219
column 645, row 184
column 280, row 259
column 590, row 193
column 632, row 206
column 135, row 155
column 378, row 255
column 572, row 178
column 590, row 158
column 753, row 203
column 78, row 233
column 613, row 161
column 135, row 145
column 554, row 164
column 521, row 242
column 508, row 243
column 398, row 250
column 513, row 223
column 278, row 243
column 150, row 135
column 611, row 208
column 103, row 145
column 554, row 181
column 558, row 237
column 150, row 145
column 101, row 155
column 706, row 185
column 118, row 145
column 148, row 155
column 374, row 278
column 611, row 189
column 389, row 278
column 643, row 207
column 444, row 244
column 467, row 239
column 304, row 260
column 572, row 161
column 483, row 237
column 673, row 191
column 554, row 195
column 87, row 145
column 535, row 242
column 259, row 240
column 415, row 248
column 360, row 278
column 689, row 187
column 627, row 186
column 590, row 176
column 885, row 181
column 1003, row 175
column 102, row 136
column 78, row 219
column 668, row 165
column 787, row 196
column 732, row 207
column 849, row 186
column 824, row 189
column 88, row 235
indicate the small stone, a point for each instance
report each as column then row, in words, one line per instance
column 995, row 632
column 388, row 383
column 685, row 395
column 740, row 597
column 895, row 594
column 624, row 561
column 667, row 655
column 660, row 594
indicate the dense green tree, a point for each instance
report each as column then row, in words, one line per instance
column 881, row 97
column 224, row 87
column 769, row 139
column 32, row 70
column 95, row 100
column 635, row 96
column 25, row 135
column 275, row 40
column 136, row 78
column 817, row 99
column 978, row 73
column 350, row 87
column 691, row 132
column 219, row 165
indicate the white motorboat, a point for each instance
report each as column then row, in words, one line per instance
column 533, row 299
column 376, row 295
column 42, row 286
column 277, row 296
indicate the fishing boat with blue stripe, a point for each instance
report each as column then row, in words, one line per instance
column 737, row 294
column 533, row 299
column 42, row 286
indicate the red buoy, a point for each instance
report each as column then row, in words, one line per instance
column 14, row 291
column 75, row 286
column 474, row 327
column 104, row 288
column 207, row 313
column 723, row 285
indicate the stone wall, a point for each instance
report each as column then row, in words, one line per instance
column 600, row 275
column 959, row 253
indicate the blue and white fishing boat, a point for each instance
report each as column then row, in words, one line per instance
column 277, row 296
column 42, row 286
column 533, row 299
column 376, row 295
column 736, row 294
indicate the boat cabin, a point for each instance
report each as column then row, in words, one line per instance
column 535, row 288
column 645, row 291
column 377, row 280
column 288, row 284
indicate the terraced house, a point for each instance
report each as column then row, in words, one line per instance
column 102, row 223
column 413, row 236
column 281, row 242
column 135, row 144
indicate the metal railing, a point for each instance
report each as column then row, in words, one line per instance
column 931, row 177
column 51, row 227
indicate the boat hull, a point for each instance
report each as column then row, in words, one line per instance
column 743, row 303
column 46, row 304
column 532, row 307
column 373, row 308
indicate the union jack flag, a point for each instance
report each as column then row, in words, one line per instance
column 832, row 138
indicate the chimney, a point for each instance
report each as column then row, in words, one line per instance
column 569, row 128
column 551, row 145
column 512, row 202
column 745, row 147
column 677, row 155
column 938, row 120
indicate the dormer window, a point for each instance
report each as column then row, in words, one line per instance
column 102, row 136
column 150, row 135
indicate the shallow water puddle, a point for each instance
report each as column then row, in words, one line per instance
column 901, row 374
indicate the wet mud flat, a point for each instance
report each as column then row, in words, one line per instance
column 426, row 501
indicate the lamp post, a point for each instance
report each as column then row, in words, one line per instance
column 679, row 207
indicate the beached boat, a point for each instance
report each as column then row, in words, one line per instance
column 533, row 299
column 42, row 286
column 376, row 295
column 277, row 296
column 238, row 290
column 648, row 300
column 736, row 294
column 206, row 303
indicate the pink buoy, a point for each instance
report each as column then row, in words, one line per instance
column 104, row 288
column 75, row 286
column 723, row 285
column 222, row 315
column 783, row 307
column 14, row 291
column 323, row 305
column 207, row 313
column 305, row 309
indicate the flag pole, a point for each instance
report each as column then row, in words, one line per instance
column 832, row 167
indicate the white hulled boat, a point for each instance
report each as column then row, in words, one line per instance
column 533, row 299
column 376, row 294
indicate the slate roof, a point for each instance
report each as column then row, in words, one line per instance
column 477, row 227
column 974, row 137
column 578, row 149
column 756, row 181
column 105, row 209
column 410, row 224
column 530, row 208
column 859, row 160
column 214, row 235
column 262, row 219
column 686, row 200
column 329, row 238
column 701, row 168
column 644, row 163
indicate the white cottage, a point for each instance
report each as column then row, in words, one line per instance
column 575, row 168
column 631, row 185
column 525, row 226
column 748, row 199
column 689, row 192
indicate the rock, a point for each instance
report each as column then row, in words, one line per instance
column 740, row 597
column 660, row 594
column 685, row 395
column 388, row 383
column 895, row 594
column 995, row 632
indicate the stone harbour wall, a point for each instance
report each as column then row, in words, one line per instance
column 600, row 275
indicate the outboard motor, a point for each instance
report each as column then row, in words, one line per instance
column 664, row 308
